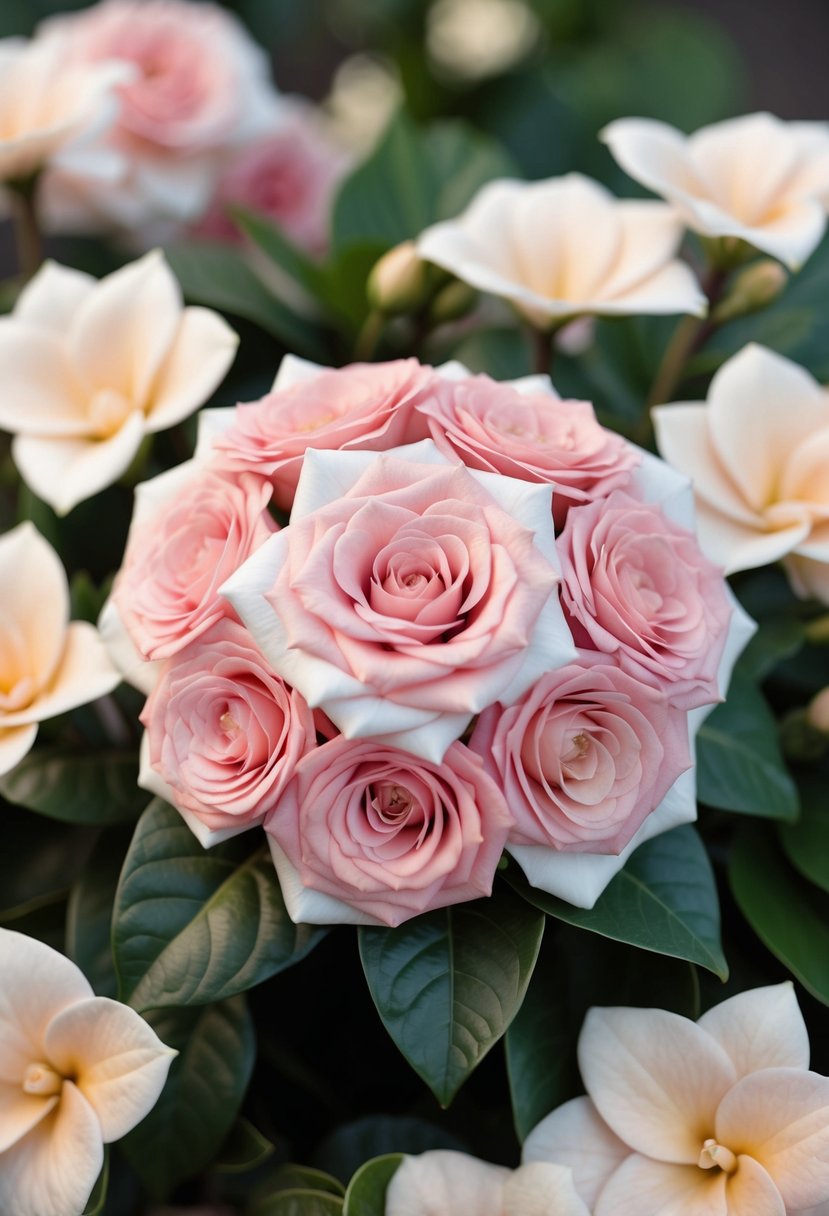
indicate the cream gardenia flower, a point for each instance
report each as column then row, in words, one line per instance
column 721, row 1117
column 47, row 665
column 757, row 452
column 755, row 178
column 46, row 105
column 565, row 247
column 76, row 1072
column 89, row 368
column 439, row 1182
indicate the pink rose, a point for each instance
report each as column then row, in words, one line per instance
column 585, row 756
column 289, row 175
column 368, row 834
column 178, row 555
column 404, row 596
column 224, row 734
column 637, row 586
column 534, row 436
column 365, row 406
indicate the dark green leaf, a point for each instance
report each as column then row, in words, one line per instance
column 788, row 915
column 64, row 784
column 193, row 926
column 366, row 1194
column 664, row 900
column 807, row 841
column 244, row 1149
column 185, row 1130
column 45, row 861
column 345, row 1150
column 503, row 354
column 739, row 766
column 89, row 913
column 270, row 238
column 463, row 160
column 299, row 1203
column 303, row 1178
column 448, row 984
column 776, row 638
column 220, row 278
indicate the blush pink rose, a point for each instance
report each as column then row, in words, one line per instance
column 637, row 586
column 533, row 436
column 364, row 407
column 384, row 835
column 412, row 601
column 177, row 557
column 289, row 175
column 224, row 733
column 585, row 756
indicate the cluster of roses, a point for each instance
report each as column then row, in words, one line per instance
column 148, row 118
column 464, row 558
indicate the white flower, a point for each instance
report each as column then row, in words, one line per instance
column 77, row 1071
column 564, row 247
column 755, row 178
column 89, row 368
column 441, row 1182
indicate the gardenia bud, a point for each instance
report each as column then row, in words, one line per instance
column 754, row 288
column 452, row 302
column 818, row 711
column 399, row 282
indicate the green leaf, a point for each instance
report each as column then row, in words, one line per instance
column 46, row 859
column 807, row 841
column 293, row 1177
column 185, row 1130
column 220, row 278
column 97, row 1200
column 299, row 1203
column 270, row 238
column 448, row 984
column 366, row 1194
column 503, row 354
column 95, row 789
column 244, row 1149
column 790, row 917
column 664, row 900
column 463, row 160
column 739, row 765
column 89, row 913
column 192, row 926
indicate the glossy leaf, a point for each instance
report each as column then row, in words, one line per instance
column 244, row 1149
column 739, row 765
column 46, row 859
column 664, row 900
column 304, row 1178
column 185, row 1130
column 366, row 1194
column 89, row 913
column 193, row 926
column 96, row 789
column 807, row 841
column 789, row 916
column 448, row 984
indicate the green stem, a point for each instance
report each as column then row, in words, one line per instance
column 543, row 350
column 26, row 228
column 368, row 337
column 690, row 336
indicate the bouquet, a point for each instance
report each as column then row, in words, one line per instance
column 343, row 585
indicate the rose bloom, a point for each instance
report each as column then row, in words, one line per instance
column 368, row 834
column 441, row 1181
column 530, row 435
column 289, row 175
column 584, row 756
column 90, row 368
column 78, row 1071
column 565, row 247
column 200, row 88
column 407, row 594
column 223, row 734
column 757, row 453
column 192, row 528
column 753, row 178
column 48, row 106
column 362, row 407
column 637, row 586
column 47, row 665
column 721, row 1117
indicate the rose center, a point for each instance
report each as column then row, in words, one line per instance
column 717, row 1156
column 229, row 724
column 108, row 410
column 42, row 1080
column 315, row 423
column 392, row 802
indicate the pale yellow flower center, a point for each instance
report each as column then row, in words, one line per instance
column 108, row 410
column 42, row 1080
column 717, row 1156
column 314, row 424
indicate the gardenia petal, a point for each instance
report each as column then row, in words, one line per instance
column 15, row 743
column 35, row 601
column 51, row 298
column 540, row 1189
column 762, row 1028
column 202, row 351
column 20, row 1112
column 442, row 1181
column 84, row 674
column 656, row 1079
column 751, row 1192
column 119, row 1063
column 643, row 1185
column 576, row 1136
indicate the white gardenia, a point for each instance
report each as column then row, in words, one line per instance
column 47, row 665
column 441, row 1181
column 757, row 452
column 754, row 178
column 566, row 247
column 77, row 1071
column 89, row 368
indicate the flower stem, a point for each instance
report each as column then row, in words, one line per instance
column 543, row 350
column 368, row 337
column 689, row 337
column 26, row 228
